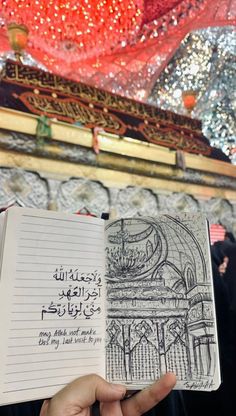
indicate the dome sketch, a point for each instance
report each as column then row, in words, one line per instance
column 160, row 300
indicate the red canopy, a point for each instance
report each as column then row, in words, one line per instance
column 126, row 51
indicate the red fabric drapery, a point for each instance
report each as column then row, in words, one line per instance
column 130, row 70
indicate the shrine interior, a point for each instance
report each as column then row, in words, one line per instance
column 120, row 109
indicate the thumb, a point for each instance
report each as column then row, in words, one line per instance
column 82, row 393
column 44, row 408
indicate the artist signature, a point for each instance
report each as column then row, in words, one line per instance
column 199, row 385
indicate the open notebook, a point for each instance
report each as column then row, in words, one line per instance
column 128, row 299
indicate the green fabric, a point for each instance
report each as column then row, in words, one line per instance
column 43, row 130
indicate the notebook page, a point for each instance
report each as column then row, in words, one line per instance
column 2, row 222
column 2, row 232
column 52, row 302
column 160, row 302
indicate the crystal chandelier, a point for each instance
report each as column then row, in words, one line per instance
column 86, row 27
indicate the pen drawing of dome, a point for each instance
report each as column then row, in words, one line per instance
column 161, row 256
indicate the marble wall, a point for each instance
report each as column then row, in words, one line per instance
column 30, row 189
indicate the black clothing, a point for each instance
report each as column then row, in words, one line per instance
column 22, row 409
column 220, row 402
column 172, row 405
column 230, row 274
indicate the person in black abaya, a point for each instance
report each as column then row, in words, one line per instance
column 221, row 401
column 230, row 281
column 230, row 274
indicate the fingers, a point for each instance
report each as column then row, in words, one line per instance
column 44, row 408
column 148, row 398
column 111, row 408
column 82, row 393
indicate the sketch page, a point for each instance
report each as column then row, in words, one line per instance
column 160, row 302
column 52, row 302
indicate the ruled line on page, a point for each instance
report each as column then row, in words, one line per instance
column 43, row 378
column 86, row 229
column 59, row 255
column 60, row 264
column 77, row 220
column 78, row 351
column 51, row 327
column 24, row 312
column 34, row 388
column 24, row 337
column 40, row 243
column 58, row 249
column 63, row 287
column 43, row 303
column 87, row 224
column 36, row 345
column 19, row 312
column 61, row 234
column 22, row 279
column 21, row 346
column 33, row 296
column 58, row 242
column 53, row 270
column 48, row 369
column 73, row 327
column 51, row 320
column 50, row 361
column 34, row 303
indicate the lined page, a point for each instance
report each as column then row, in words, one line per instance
column 52, row 302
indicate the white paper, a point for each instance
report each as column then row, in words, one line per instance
column 52, row 302
column 160, row 302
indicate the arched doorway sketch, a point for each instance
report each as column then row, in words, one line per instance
column 155, row 272
column 189, row 275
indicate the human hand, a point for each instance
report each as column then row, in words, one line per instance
column 77, row 398
column 223, row 266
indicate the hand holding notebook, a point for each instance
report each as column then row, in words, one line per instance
column 81, row 394
column 129, row 299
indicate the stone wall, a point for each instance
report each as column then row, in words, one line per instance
column 32, row 189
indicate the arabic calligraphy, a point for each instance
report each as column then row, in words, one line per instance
column 80, row 292
column 73, row 110
column 70, row 109
column 74, row 275
column 75, row 102
column 73, row 301
column 71, row 309
column 29, row 76
column 178, row 141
